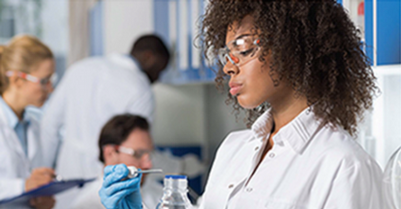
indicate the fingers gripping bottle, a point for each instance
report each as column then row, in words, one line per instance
column 175, row 193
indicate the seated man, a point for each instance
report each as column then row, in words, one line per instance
column 124, row 139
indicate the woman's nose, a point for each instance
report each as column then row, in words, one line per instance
column 230, row 69
column 49, row 87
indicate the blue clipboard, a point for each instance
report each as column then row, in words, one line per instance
column 46, row 190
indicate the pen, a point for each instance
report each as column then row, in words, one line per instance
column 57, row 177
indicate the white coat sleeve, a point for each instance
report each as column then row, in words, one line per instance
column 52, row 123
column 11, row 187
column 358, row 186
column 143, row 105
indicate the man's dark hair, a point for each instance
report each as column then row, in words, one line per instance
column 118, row 128
column 152, row 43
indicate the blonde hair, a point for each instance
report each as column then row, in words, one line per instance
column 23, row 53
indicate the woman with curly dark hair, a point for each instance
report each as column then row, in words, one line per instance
column 297, row 67
column 303, row 61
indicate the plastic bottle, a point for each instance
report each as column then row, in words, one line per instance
column 175, row 193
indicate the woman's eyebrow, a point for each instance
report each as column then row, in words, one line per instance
column 242, row 35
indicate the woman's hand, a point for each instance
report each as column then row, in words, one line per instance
column 119, row 192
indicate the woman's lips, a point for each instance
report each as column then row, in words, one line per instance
column 235, row 89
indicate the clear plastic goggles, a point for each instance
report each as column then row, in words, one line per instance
column 240, row 51
column 137, row 154
column 43, row 81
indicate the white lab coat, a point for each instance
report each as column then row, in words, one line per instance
column 15, row 166
column 91, row 92
column 309, row 167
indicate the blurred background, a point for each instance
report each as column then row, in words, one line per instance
column 191, row 114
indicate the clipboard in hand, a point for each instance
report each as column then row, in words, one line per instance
column 50, row 189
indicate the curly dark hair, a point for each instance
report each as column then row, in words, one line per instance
column 314, row 46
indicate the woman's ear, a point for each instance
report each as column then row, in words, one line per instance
column 110, row 155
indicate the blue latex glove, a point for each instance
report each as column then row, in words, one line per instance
column 118, row 194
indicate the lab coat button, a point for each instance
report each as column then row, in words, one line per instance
column 256, row 148
column 230, row 186
column 271, row 155
column 249, row 189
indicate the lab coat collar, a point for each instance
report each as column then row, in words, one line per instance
column 263, row 125
column 12, row 119
column 296, row 133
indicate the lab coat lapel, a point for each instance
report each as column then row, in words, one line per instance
column 11, row 136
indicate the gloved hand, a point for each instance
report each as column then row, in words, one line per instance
column 118, row 194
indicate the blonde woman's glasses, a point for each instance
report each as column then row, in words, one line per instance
column 43, row 81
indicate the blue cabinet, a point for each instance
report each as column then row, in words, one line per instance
column 383, row 31
column 382, row 28
column 388, row 32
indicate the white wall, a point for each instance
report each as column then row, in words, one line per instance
column 124, row 22
column 193, row 114
column 55, row 31
column 385, row 124
column 55, row 25
column 180, row 115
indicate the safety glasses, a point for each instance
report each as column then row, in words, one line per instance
column 137, row 154
column 240, row 51
column 42, row 81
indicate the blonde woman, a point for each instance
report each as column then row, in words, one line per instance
column 26, row 69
